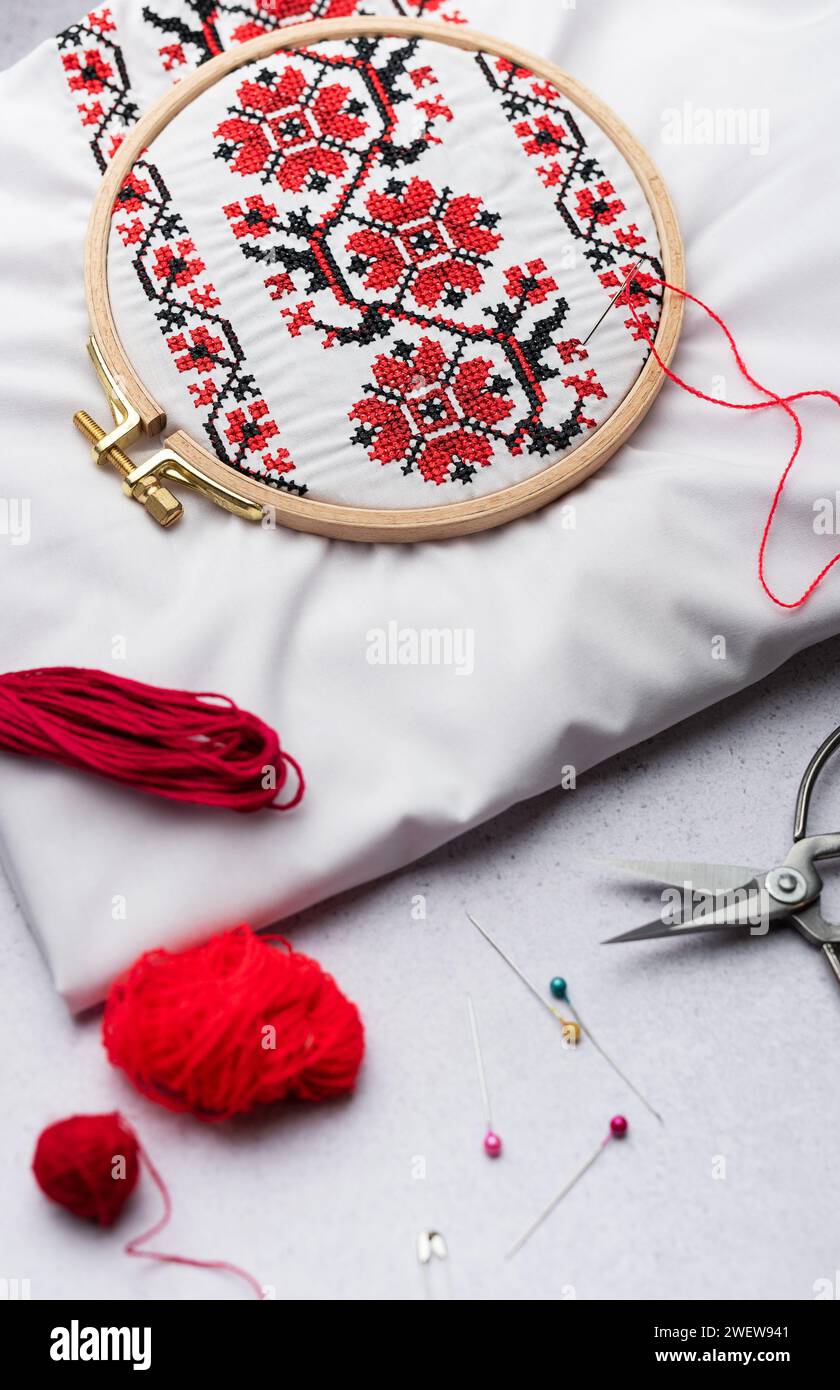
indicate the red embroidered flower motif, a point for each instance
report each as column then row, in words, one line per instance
column 600, row 205
column 250, row 30
column 583, row 387
column 281, row 10
column 255, row 432
column 434, row 244
column 251, row 430
column 279, row 285
column 172, row 56
column 256, row 219
column 637, row 290
column 505, row 66
column 630, row 238
column 201, row 354
column 132, row 194
column 541, row 136
column 91, row 112
column 572, row 350
column 532, row 284
column 179, row 263
column 203, row 393
column 101, row 20
column 432, row 414
column 89, row 71
column 288, row 130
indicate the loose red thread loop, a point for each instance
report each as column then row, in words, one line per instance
column 184, row 746
column 132, row 1247
column 785, row 402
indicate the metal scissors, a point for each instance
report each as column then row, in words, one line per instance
column 754, row 898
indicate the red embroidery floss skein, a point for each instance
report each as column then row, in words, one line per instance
column 200, row 748
column 89, row 1164
column 236, row 1023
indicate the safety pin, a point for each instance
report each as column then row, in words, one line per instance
column 431, row 1245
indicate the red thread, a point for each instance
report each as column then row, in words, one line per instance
column 164, row 1258
column 221, row 1028
column 774, row 400
column 89, row 1164
column 200, row 748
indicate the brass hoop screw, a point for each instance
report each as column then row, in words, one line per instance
column 162, row 506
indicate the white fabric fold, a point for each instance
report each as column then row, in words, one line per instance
column 585, row 639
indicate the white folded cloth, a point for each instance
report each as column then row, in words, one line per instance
column 582, row 639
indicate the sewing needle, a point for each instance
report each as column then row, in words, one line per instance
column 612, row 303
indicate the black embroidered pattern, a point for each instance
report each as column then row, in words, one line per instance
column 585, row 198
column 96, row 76
column 208, row 27
column 321, row 125
column 202, row 341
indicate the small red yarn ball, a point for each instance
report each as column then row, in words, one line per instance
column 236, row 1023
column 89, row 1164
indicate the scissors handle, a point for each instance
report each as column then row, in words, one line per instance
column 806, row 786
column 833, row 959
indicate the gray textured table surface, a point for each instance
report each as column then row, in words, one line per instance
column 736, row 1045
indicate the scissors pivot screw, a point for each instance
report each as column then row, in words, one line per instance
column 786, row 885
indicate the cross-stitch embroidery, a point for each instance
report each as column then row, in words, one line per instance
column 358, row 244
column 585, row 197
column 360, row 248
column 202, row 341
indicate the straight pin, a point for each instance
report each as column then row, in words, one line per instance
column 492, row 1142
column 559, row 989
column 571, row 1029
column 617, row 1130
column 612, row 303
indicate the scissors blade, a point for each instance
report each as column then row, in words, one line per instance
column 755, row 909
column 705, row 878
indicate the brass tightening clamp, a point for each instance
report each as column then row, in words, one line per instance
column 145, row 482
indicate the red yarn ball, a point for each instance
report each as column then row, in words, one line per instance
column 233, row 1024
column 88, row 1164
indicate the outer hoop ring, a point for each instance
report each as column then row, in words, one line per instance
column 380, row 524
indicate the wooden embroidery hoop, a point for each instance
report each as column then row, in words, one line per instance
column 182, row 461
